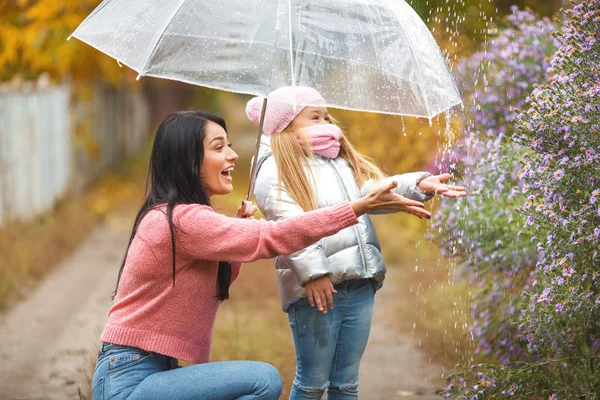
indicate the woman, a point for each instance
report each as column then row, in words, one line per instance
column 173, row 276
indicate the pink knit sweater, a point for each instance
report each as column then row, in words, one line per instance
column 178, row 321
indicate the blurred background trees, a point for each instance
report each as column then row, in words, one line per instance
column 33, row 41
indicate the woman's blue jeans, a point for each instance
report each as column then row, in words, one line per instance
column 130, row 373
column 329, row 346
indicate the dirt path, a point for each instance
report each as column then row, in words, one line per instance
column 49, row 341
column 393, row 367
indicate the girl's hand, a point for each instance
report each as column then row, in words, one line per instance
column 320, row 292
column 434, row 185
column 246, row 210
column 385, row 198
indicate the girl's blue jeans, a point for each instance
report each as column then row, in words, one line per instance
column 329, row 346
column 130, row 373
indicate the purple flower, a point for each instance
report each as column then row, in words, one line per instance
column 530, row 220
column 519, row 106
column 545, row 296
column 559, row 307
column 559, row 174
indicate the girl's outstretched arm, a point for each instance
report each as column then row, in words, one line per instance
column 407, row 185
column 418, row 186
column 435, row 185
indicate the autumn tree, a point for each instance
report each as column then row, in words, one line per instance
column 33, row 39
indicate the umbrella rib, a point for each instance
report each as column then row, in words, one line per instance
column 156, row 40
column 291, row 51
column 108, row 53
column 94, row 12
column 416, row 60
column 368, row 10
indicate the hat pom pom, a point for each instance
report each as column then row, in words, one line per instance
column 254, row 108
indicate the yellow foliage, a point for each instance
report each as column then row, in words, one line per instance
column 33, row 39
column 398, row 144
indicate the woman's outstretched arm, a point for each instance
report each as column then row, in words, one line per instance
column 204, row 234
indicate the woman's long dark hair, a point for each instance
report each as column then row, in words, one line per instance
column 174, row 178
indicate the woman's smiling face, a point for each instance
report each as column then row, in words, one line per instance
column 219, row 161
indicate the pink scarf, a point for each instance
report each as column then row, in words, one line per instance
column 324, row 140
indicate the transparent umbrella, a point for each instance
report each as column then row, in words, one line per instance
column 366, row 55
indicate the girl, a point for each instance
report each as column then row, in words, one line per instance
column 171, row 281
column 306, row 165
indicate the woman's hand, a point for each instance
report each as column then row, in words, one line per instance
column 320, row 292
column 246, row 210
column 433, row 185
column 385, row 198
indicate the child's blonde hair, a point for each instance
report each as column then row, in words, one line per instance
column 292, row 159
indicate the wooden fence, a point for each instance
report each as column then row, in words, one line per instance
column 52, row 145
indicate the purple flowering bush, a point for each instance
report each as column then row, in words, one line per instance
column 555, row 347
column 562, row 130
column 482, row 231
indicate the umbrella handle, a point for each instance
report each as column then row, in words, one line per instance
column 255, row 158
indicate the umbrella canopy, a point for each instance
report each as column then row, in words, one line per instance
column 367, row 55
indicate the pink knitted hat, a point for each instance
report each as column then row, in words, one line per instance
column 280, row 107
